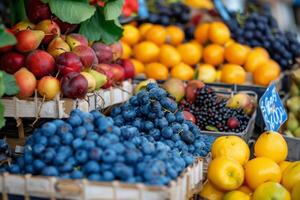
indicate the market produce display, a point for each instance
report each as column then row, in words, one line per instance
column 231, row 175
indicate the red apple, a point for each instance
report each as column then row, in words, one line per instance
column 37, row 11
column 26, row 82
column 106, row 70
column 12, row 62
column 68, row 62
column 65, row 27
column 103, row 52
column 74, row 85
column 86, row 54
column 29, row 40
column 129, row 68
column 189, row 116
column 40, row 63
column 50, row 28
column 191, row 89
column 119, row 72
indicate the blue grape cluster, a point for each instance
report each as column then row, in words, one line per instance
column 157, row 116
column 261, row 29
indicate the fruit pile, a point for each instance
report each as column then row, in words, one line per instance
column 261, row 29
column 293, row 105
column 214, row 112
column 231, row 175
column 133, row 146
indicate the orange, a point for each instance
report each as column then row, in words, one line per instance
column 264, row 146
column 255, row 58
column 218, row 33
column 291, row 175
column 196, row 43
column 175, row 35
column 157, row 71
column 229, row 42
column 138, row 66
column 267, row 72
column 206, row 73
column 210, row 192
column 169, row 56
column 213, row 54
column 233, row 74
column 156, row 34
column 201, row 33
column 182, row 71
column 146, row 52
column 144, row 28
column 236, row 53
column 260, row 170
column 131, row 35
column 127, row 51
column 190, row 53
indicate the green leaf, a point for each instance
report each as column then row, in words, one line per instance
column 17, row 11
column 2, row 119
column 6, row 38
column 113, row 9
column 45, row 1
column 73, row 12
column 10, row 84
column 90, row 28
column 2, row 86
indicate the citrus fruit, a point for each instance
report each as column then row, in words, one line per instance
column 190, row 53
column 225, row 173
column 296, row 191
column 218, row 33
column 138, row 66
column 260, row 170
column 206, row 73
column 182, row 71
column 144, row 28
column 267, row 72
column 210, row 192
column 197, row 44
column 231, row 147
column 131, row 34
column 175, row 35
column 283, row 165
column 264, row 146
column 291, row 175
column 245, row 189
column 213, row 54
column 234, row 195
column 201, row 33
column 169, row 56
column 157, row 71
column 255, row 58
column 229, row 42
column 271, row 190
column 236, row 53
column 146, row 52
column 127, row 51
column 219, row 75
column 156, row 34
column 233, row 74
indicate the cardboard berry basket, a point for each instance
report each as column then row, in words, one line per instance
column 184, row 187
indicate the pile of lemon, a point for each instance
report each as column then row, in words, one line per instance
column 232, row 176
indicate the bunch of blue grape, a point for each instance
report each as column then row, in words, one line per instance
column 261, row 29
column 156, row 115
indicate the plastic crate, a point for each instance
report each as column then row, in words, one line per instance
column 185, row 186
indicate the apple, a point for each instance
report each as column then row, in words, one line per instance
column 22, row 25
column 68, row 62
column 86, row 55
column 175, row 87
column 189, row 116
column 37, row 11
column 65, row 27
column 191, row 89
column 119, row 72
column 129, row 68
column 242, row 100
column 40, row 63
column 74, row 85
column 91, row 81
column 58, row 46
column 103, row 52
column 99, row 77
column 12, row 62
column 106, row 70
column 76, row 39
column 26, row 82
column 48, row 87
column 29, row 40
column 117, row 50
column 50, row 28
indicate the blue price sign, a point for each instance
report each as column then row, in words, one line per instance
column 143, row 9
column 272, row 109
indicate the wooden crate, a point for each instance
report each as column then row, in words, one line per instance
column 184, row 187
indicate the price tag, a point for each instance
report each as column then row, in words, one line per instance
column 143, row 9
column 272, row 109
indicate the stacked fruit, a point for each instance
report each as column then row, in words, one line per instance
column 293, row 105
column 126, row 148
column 213, row 112
column 231, row 175
column 259, row 28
